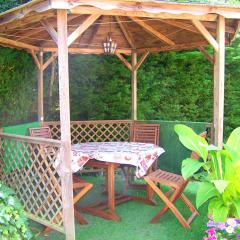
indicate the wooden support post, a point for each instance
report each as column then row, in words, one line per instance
column 66, row 173
column 134, row 85
column 219, row 67
column 40, row 88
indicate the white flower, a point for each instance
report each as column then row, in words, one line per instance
column 231, row 222
column 229, row 229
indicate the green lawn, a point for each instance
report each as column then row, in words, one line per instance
column 134, row 224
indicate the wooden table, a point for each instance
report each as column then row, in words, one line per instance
column 110, row 156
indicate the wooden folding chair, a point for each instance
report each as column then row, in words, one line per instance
column 78, row 183
column 177, row 184
column 144, row 133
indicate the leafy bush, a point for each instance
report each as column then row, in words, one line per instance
column 13, row 222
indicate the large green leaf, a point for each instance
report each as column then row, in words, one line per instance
column 234, row 139
column 220, row 213
column 191, row 140
column 205, row 192
column 220, row 185
column 189, row 167
column 233, row 144
column 233, row 154
column 237, row 206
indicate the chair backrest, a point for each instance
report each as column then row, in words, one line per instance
column 194, row 155
column 145, row 133
column 42, row 132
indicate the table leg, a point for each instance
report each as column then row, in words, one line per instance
column 110, row 187
column 106, row 209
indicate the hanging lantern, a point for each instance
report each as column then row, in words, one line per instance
column 109, row 46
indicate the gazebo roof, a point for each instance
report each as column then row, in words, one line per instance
column 143, row 25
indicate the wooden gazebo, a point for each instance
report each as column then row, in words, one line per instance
column 139, row 27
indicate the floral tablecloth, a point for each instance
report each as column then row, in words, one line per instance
column 141, row 155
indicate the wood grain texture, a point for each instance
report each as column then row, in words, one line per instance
column 219, row 71
column 66, row 176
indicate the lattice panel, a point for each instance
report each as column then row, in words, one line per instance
column 27, row 167
column 94, row 131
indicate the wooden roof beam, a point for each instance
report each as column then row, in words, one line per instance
column 18, row 44
column 206, row 34
column 125, row 31
column 86, row 50
column 21, row 12
column 184, row 26
column 177, row 47
column 126, row 63
column 212, row 25
column 28, row 33
column 153, row 31
column 132, row 12
column 51, row 30
column 83, row 27
column 31, row 19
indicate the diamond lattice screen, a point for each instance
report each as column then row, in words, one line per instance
column 27, row 166
column 94, row 131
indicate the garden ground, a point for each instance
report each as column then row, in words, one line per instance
column 135, row 217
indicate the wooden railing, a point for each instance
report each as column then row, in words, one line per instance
column 27, row 166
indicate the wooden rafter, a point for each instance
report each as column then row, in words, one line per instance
column 153, row 31
column 94, row 33
column 85, row 25
column 86, row 50
column 212, row 25
column 51, row 30
column 27, row 34
column 141, row 60
column 125, row 31
column 133, row 13
column 177, row 47
column 206, row 54
column 206, row 34
column 18, row 44
column 237, row 28
column 127, row 64
column 184, row 26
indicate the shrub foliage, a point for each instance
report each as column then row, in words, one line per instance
column 13, row 222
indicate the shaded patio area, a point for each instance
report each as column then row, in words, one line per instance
column 54, row 29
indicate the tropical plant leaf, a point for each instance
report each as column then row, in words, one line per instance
column 234, row 139
column 190, row 167
column 220, row 185
column 233, row 144
column 191, row 140
column 235, row 155
column 205, row 192
column 220, row 213
column 237, row 206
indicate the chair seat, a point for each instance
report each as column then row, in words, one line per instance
column 167, row 178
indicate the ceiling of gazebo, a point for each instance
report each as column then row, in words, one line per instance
column 129, row 32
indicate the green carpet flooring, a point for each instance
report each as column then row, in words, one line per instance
column 134, row 221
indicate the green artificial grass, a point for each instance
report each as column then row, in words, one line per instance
column 134, row 221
